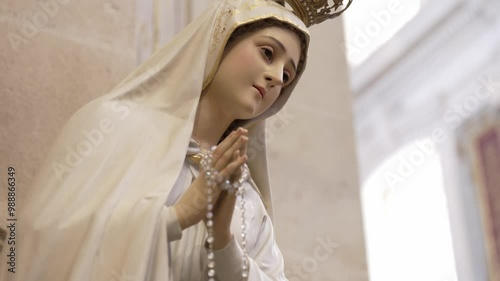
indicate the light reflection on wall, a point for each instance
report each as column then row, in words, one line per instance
column 368, row 24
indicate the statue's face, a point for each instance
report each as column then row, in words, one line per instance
column 253, row 71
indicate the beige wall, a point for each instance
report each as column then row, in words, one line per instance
column 87, row 47
column 55, row 58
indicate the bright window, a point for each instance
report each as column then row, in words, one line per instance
column 406, row 218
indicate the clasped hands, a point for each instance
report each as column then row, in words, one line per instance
column 228, row 159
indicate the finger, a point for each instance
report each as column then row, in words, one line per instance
column 226, row 144
column 227, row 156
column 243, row 149
column 236, row 174
column 233, row 167
column 244, row 132
column 225, row 173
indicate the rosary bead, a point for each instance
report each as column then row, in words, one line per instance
column 210, row 215
column 213, row 178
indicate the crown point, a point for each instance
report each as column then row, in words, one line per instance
column 317, row 11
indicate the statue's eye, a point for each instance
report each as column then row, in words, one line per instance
column 268, row 53
column 286, row 77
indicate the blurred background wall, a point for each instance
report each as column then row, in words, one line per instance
column 425, row 78
column 59, row 54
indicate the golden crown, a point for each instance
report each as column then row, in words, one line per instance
column 316, row 11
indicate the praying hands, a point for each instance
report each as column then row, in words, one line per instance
column 228, row 159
